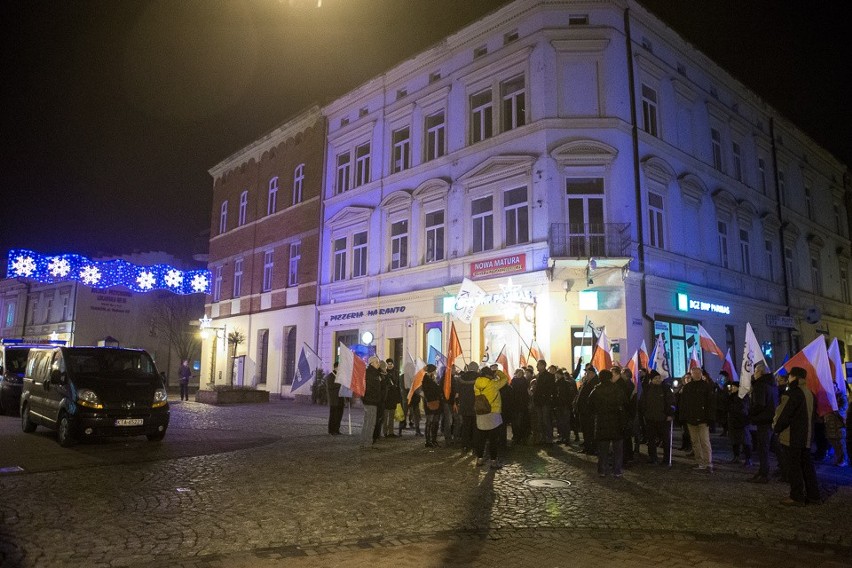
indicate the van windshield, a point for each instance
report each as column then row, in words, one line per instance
column 117, row 363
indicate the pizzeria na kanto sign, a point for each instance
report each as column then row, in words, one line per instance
column 501, row 266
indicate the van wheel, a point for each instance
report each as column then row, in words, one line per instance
column 27, row 425
column 156, row 437
column 63, row 431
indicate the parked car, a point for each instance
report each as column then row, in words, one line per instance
column 13, row 361
column 90, row 392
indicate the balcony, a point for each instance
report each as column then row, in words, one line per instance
column 578, row 241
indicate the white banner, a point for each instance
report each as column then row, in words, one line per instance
column 469, row 297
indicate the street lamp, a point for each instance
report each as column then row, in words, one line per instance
column 206, row 325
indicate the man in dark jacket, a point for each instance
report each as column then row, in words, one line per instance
column 335, row 401
column 566, row 392
column 521, row 397
column 545, row 392
column 698, row 410
column 371, row 400
column 466, row 411
column 392, row 397
column 608, row 404
column 657, row 405
column 761, row 412
column 587, row 419
column 795, row 427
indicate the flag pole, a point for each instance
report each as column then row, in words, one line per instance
column 671, row 440
column 350, row 415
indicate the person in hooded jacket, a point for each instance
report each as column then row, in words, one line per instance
column 489, row 385
column 465, row 398
column 433, row 398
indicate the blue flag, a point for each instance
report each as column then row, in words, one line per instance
column 782, row 372
column 304, row 376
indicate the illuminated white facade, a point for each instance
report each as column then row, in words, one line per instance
column 613, row 176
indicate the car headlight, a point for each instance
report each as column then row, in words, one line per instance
column 161, row 397
column 89, row 399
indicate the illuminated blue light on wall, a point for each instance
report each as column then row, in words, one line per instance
column 48, row 269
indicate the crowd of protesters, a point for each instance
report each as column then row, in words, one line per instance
column 610, row 415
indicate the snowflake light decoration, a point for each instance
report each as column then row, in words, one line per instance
column 23, row 265
column 107, row 273
column 58, row 266
column 90, row 275
column 200, row 283
column 146, row 280
column 173, row 278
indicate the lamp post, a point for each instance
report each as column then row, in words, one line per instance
column 206, row 326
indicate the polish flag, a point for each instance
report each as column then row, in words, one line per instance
column 644, row 359
column 503, row 361
column 728, row 366
column 418, row 371
column 602, row 359
column 752, row 353
column 694, row 361
column 634, row 367
column 352, row 371
column 707, row 343
column 835, row 361
column 814, row 359
column 633, row 363
column 659, row 361
column 522, row 361
column 535, row 351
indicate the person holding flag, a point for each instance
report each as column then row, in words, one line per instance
column 761, row 413
column 371, row 399
column 335, row 401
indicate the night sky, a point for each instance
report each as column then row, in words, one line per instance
column 114, row 110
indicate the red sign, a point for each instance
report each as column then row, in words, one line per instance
column 498, row 266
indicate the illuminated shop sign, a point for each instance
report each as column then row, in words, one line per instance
column 368, row 313
column 498, row 266
column 685, row 304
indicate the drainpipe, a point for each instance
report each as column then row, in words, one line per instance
column 781, row 227
column 634, row 130
column 320, row 241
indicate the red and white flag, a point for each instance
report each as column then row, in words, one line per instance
column 707, row 343
column 535, row 352
column 752, row 353
column 351, row 371
column 835, row 361
column 418, row 371
column 634, row 367
column 694, row 359
column 814, row 359
column 602, row 358
column 503, row 361
column 633, row 363
column 644, row 358
column 728, row 366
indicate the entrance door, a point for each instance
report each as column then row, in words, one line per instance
column 501, row 336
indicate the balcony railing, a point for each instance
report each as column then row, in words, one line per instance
column 585, row 240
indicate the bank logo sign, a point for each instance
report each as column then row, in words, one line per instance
column 685, row 304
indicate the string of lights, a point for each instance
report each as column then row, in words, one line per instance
column 49, row 269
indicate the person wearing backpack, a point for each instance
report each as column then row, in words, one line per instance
column 488, row 405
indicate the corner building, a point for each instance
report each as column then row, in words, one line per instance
column 583, row 164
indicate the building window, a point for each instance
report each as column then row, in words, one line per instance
column 295, row 257
column 716, row 141
column 401, row 159
column 809, row 206
column 722, row 229
column 770, row 260
column 745, row 252
column 483, row 224
column 359, row 254
column 513, row 94
column 790, row 266
column 782, row 189
column 272, row 196
column 343, row 173
column 844, row 285
column 217, row 285
column 243, row 207
column 399, row 244
column 362, row 164
column 267, row 271
column 761, row 172
column 298, row 183
column 816, row 276
column 435, row 136
column 481, row 116
column 738, row 161
column 649, row 110
column 517, row 216
column 223, row 217
column 10, row 314
column 656, row 211
column 339, row 260
column 434, row 223
column 238, row 277
column 65, row 300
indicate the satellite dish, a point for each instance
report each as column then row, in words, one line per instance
column 813, row 315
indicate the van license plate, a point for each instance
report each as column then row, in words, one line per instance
column 129, row 422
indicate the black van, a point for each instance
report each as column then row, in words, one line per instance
column 88, row 392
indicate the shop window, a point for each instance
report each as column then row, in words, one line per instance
column 433, row 336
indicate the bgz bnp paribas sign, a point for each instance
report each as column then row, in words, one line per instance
column 685, row 304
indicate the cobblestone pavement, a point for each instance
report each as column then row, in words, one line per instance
column 263, row 485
